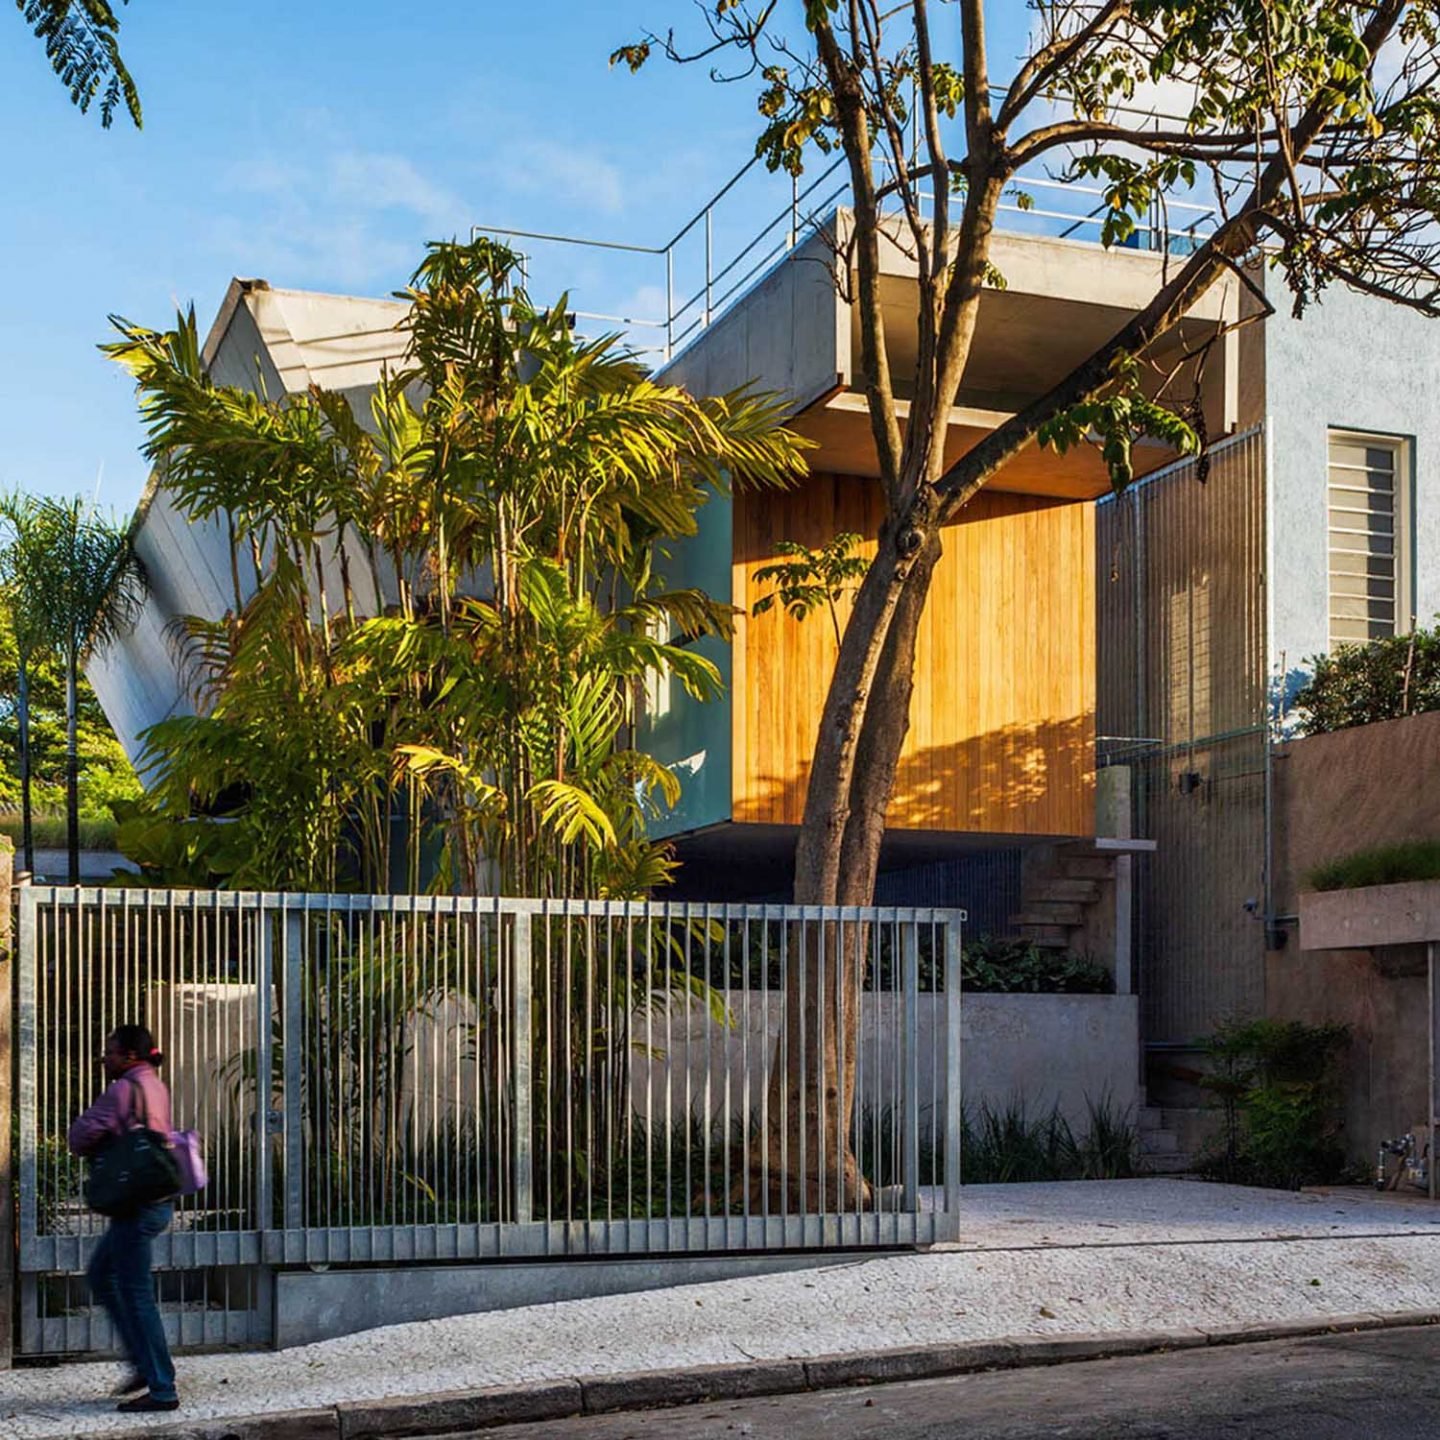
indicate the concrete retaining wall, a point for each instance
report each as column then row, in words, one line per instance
column 1044, row 1050
column 1336, row 794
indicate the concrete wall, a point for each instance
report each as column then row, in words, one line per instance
column 1046, row 1050
column 789, row 335
column 1353, row 363
column 1335, row 794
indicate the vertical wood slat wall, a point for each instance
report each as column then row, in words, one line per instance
column 1002, row 731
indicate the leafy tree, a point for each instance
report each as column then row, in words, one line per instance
column 1313, row 125
column 82, row 43
column 441, row 619
column 806, row 579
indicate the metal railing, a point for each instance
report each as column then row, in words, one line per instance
column 717, row 276
column 394, row 1079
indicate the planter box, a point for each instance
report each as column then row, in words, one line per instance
column 1371, row 916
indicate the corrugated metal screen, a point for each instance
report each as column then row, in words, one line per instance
column 1182, row 699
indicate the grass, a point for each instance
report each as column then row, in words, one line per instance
column 1384, row 865
column 97, row 832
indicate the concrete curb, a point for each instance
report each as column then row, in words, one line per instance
column 447, row 1414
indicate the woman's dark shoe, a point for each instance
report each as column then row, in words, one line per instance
column 143, row 1404
column 131, row 1384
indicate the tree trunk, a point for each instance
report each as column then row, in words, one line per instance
column 72, row 766
column 810, row 1155
column 27, row 814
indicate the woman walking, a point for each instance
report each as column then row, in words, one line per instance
column 119, row 1274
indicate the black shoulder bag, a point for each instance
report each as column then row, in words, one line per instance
column 134, row 1170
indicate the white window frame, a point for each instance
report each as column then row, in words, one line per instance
column 1401, row 447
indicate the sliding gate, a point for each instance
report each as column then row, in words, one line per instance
column 397, row 1079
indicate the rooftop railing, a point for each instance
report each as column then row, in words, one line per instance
column 741, row 231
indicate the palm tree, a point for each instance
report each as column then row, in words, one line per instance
column 20, row 561
column 86, row 586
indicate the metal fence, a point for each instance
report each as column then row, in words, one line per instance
column 1182, row 700
column 402, row 1079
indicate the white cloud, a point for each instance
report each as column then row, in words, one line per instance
column 572, row 174
column 334, row 216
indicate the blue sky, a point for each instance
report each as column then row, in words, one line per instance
column 318, row 145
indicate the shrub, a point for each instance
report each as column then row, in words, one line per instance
column 1005, row 967
column 1360, row 684
column 1384, row 865
column 1009, row 1146
column 1277, row 1083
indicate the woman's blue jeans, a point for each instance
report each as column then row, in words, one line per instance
column 120, row 1279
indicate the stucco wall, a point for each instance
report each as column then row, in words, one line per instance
column 1353, row 363
column 1046, row 1050
column 1335, row 794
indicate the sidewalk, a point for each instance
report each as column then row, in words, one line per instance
column 1164, row 1258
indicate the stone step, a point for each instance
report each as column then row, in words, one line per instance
column 1150, row 1117
column 1049, row 912
column 1159, row 1142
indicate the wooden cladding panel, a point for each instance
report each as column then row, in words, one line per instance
column 1002, row 727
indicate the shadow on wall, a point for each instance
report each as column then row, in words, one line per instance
column 1021, row 780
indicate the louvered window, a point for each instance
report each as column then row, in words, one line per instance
column 1367, row 559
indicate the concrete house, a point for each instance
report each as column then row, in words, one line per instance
column 1089, row 762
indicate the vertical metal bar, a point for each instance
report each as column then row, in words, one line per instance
column 520, row 1043
column 669, row 301
column 1432, row 951
column 292, row 1045
column 264, row 1059
column 954, row 1073
column 709, row 265
column 27, row 1020
column 910, row 1039
column 794, row 211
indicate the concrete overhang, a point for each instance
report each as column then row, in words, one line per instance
column 1061, row 301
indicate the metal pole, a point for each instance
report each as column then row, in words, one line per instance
column 7, row 1063
column 910, row 1040
column 709, row 258
column 954, row 1080
column 264, row 1047
column 1432, row 951
column 794, row 210
column 292, row 1032
column 669, row 302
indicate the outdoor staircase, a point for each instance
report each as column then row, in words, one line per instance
column 1160, row 1152
column 1058, row 886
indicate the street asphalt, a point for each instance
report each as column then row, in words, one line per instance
column 1383, row 1384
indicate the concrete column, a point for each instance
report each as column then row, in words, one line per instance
column 1114, row 820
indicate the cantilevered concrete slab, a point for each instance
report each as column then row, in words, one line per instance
column 1061, row 300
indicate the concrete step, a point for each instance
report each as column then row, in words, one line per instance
column 1150, row 1117
column 1087, row 867
column 1053, row 937
column 1049, row 912
column 1180, row 1163
column 1065, row 888
column 1159, row 1142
